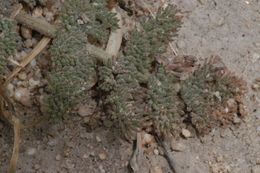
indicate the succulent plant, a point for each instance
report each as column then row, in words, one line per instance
column 213, row 95
column 165, row 104
column 73, row 73
column 90, row 16
column 127, row 78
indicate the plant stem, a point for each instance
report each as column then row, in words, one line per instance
column 36, row 24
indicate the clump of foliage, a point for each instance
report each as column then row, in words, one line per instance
column 166, row 106
column 90, row 16
column 129, row 77
column 9, row 41
column 135, row 90
column 213, row 95
column 74, row 71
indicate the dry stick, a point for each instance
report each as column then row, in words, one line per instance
column 28, row 58
column 36, row 24
column 16, row 126
column 115, row 38
column 98, row 53
column 15, row 154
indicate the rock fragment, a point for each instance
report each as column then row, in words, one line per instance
column 22, row 95
column 186, row 133
column 26, row 32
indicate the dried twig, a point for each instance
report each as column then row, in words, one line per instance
column 36, row 24
column 98, row 53
column 17, row 136
column 8, row 115
column 115, row 38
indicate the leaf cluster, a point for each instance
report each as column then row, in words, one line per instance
column 132, row 80
column 91, row 17
column 212, row 90
column 136, row 91
column 165, row 104
column 9, row 41
column 73, row 72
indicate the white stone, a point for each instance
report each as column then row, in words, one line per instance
column 26, row 33
column 22, row 95
column 186, row 133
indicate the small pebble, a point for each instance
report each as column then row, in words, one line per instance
column 147, row 138
column 80, row 22
column 85, row 156
column 52, row 142
column 156, row 152
column 22, row 95
column 186, row 133
column 49, row 16
column 258, row 129
column 28, row 43
column 58, row 157
column 92, row 154
column 31, row 151
column 22, row 76
column 36, row 166
column 33, row 63
column 33, row 83
column 102, row 156
column 255, row 57
column 37, row 12
column 26, row 33
column 236, row 120
column 10, row 89
column 255, row 86
column 98, row 139
column 219, row 158
column 69, row 164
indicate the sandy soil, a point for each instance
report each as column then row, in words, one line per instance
column 230, row 29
